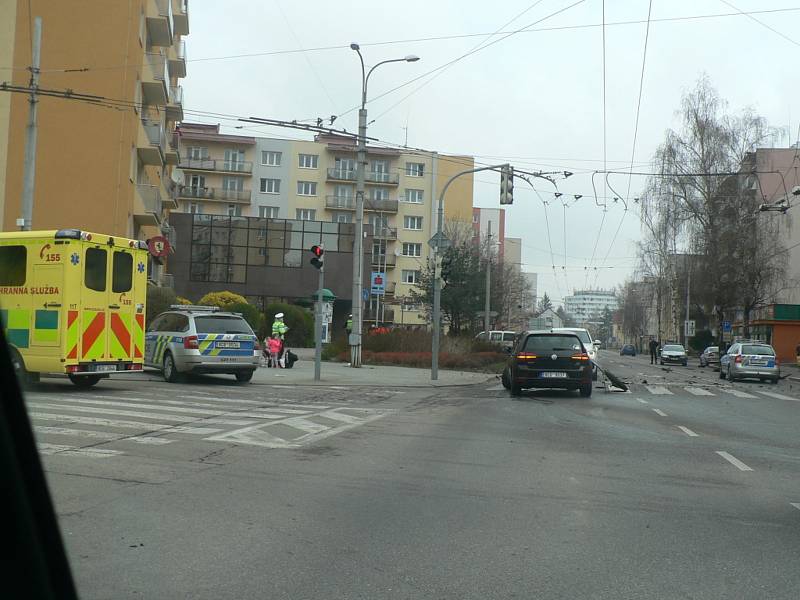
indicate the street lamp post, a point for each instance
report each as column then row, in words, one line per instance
column 358, row 244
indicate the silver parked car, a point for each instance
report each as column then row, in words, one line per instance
column 754, row 360
column 710, row 356
column 201, row 339
column 674, row 353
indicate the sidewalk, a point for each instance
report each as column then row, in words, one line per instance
column 334, row 373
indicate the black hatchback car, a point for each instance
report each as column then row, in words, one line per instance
column 546, row 359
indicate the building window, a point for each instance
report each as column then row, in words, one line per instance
column 415, row 169
column 344, row 168
column 233, row 184
column 412, row 249
column 409, row 307
column 197, row 153
column 234, row 159
column 379, row 194
column 270, row 158
column 309, row 161
column 409, row 276
column 306, row 214
column 342, row 217
column 306, row 188
column 380, row 170
column 195, row 208
column 268, row 212
column 475, row 218
column 413, row 196
column 270, row 186
column 414, row 223
column 234, row 210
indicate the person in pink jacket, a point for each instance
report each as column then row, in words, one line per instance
column 274, row 343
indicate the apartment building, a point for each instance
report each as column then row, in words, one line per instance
column 587, row 305
column 315, row 180
column 98, row 167
column 216, row 170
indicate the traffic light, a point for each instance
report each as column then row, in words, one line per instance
column 507, row 185
column 317, row 251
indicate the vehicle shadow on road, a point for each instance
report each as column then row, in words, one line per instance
column 546, row 396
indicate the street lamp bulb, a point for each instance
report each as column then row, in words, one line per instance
column 412, row 58
column 355, row 47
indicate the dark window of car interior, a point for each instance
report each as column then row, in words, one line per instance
column 757, row 349
column 552, row 343
column 220, row 324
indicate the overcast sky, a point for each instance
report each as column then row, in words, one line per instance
column 534, row 99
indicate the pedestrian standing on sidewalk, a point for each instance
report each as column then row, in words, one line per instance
column 653, row 351
column 274, row 350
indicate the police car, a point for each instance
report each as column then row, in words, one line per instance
column 201, row 339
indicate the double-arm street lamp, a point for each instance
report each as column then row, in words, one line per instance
column 358, row 244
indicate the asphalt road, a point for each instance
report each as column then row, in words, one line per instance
column 682, row 488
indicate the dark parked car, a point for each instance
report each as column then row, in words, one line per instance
column 546, row 359
column 628, row 350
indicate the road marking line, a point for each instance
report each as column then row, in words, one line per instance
column 642, row 401
column 734, row 461
column 199, row 411
column 687, row 431
column 738, row 393
column 698, row 391
column 778, row 396
column 120, row 424
column 146, row 415
column 795, row 504
column 658, row 390
column 101, row 435
column 49, row 449
column 659, row 412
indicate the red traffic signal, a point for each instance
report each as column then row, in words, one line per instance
column 317, row 251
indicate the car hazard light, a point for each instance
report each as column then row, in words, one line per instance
column 580, row 357
column 190, row 342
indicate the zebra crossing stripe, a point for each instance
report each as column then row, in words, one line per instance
column 658, row 390
column 146, row 415
column 100, row 435
column 698, row 391
column 778, row 396
column 50, row 449
column 120, row 424
column 739, row 393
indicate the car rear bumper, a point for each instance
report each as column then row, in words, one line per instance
column 573, row 380
column 756, row 372
column 226, row 364
column 674, row 359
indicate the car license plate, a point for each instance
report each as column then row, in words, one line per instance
column 553, row 374
column 105, row 368
column 228, row 345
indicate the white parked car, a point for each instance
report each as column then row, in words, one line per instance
column 586, row 339
column 505, row 339
column 674, row 353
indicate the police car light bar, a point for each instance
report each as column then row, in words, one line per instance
column 194, row 307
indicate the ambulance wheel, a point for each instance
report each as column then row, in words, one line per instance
column 84, row 381
column 171, row 374
column 244, row 376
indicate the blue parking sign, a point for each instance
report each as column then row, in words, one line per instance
column 726, row 327
column 365, row 294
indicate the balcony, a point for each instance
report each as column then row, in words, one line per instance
column 174, row 108
column 341, row 174
column 180, row 17
column 148, row 210
column 177, row 62
column 216, row 194
column 171, row 197
column 383, row 315
column 159, row 24
column 243, row 167
column 370, row 204
column 384, row 233
column 381, row 177
column 152, row 143
column 384, row 260
column 155, row 79
column 172, row 152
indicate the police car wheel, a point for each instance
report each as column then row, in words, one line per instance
column 84, row 381
column 244, row 376
column 170, row 372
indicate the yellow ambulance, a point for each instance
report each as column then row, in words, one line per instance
column 73, row 302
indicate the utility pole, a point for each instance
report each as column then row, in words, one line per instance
column 488, row 303
column 688, row 286
column 29, row 174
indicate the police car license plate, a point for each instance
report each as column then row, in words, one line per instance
column 554, row 374
column 228, row 345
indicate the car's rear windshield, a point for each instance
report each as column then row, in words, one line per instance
column 221, row 324
column 758, row 349
column 673, row 348
column 584, row 336
column 551, row 343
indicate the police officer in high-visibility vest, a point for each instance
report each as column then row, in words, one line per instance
column 279, row 329
column 349, row 324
